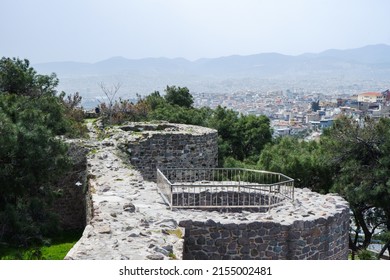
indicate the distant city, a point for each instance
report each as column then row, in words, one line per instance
column 300, row 113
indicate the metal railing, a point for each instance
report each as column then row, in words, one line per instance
column 223, row 188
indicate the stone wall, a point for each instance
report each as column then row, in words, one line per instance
column 127, row 218
column 324, row 238
column 169, row 146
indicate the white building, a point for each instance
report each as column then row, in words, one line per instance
column 370, row 97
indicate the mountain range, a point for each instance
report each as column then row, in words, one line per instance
column 266, row 65
column 215, row 74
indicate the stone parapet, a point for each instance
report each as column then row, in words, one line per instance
column 152, row 146
column 321, row 238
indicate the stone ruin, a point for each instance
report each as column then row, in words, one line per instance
column 126, row 217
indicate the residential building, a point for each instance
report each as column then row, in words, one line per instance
column 370, row 97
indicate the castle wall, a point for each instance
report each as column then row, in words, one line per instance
column 127, row 219
column 322, row 238
column 176, row 146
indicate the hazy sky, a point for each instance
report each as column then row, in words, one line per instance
column 93, row 30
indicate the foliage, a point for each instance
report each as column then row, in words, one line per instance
column 384, row 236
column 255, row 133
column 32, row 157
column 360, row 151
column 54, row 249
column 17, row 77
column 154, row 100
column 365, row 255
column 123, row 110
column 352, row 159
column 179, row 96
column 241, row 137
column 224, row 121
column 29, row 152
column 74, row 115
column 63, row 116
column 303, row 161
column 177, row 114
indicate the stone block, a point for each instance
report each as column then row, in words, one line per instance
column 252, row 233
column 225, row 234
column 254, row 253
column 259, row 240
column 201, row 240
column 210, row 248
column 274, row 231
column 232, row 246
column 277, row 249
column 254, row 226
column 222, row 250
column 245, row 250
column 243, row 241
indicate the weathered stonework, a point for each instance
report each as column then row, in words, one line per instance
column 312, row 237
column 169, row 146
column 127, row 217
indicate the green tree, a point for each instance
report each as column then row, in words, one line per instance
column 154, row 100
column 255, row 133
column 225, row 122
column 17, row 77
column 239, row 136
column 177, row 114
column 304, row 161
column 31, row 154
column 179, row 96
column 360, row 151
column 30, row 159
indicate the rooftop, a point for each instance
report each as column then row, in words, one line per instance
column 370, row 94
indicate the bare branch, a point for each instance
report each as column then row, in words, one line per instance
column 110, row 94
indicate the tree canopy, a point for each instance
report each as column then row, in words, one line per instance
column 32, row 157
column 18, row 77
column 360, row 150
column 241, row 137
column 306, row 162
column 179, row 96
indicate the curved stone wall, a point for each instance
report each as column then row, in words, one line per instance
column 315, row 229
column 169, row 146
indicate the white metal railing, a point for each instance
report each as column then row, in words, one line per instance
column 223, row 188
